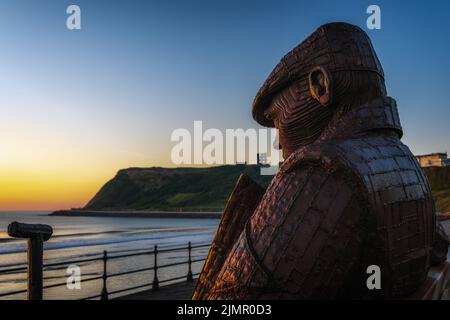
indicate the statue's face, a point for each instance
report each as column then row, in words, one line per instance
column 301, row 111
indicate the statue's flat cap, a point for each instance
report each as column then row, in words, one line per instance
column 337, row 46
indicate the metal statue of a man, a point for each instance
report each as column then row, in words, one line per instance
column 349, row 194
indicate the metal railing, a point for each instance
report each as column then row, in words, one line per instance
column 104, row 293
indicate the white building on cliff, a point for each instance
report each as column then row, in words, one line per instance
column 438, row 159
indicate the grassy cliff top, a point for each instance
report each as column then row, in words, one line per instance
column 205, row 189
column 193, row 189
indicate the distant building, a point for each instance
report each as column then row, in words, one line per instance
column 438, row 159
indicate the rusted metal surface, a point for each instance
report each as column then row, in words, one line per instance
column 349, row 195
column 240, row 206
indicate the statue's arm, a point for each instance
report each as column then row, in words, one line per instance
column 307, row 232
column 317, row 251
column 242, row 202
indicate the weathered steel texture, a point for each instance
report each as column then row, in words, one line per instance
column 349, row 195
column 240, row 206
column 357, row 77
column 338, row 46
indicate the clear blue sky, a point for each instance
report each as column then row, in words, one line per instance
column 108, row 96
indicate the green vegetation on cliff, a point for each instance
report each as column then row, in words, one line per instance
column 205, row 189
column 439, row 179
column 192, row 189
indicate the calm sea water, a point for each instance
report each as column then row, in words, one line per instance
column 83, row 237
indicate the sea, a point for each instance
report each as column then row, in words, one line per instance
column 76, row 238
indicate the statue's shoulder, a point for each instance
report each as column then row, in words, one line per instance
column 307, row 172
column 359, row 156
column 327, row 156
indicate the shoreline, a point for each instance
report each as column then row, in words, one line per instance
column 156, row 214
column 135, row 214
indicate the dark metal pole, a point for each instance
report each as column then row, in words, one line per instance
column 190, row 278
column 36, row 235
column 104, row 295
column 155, row 285
column 35, row 257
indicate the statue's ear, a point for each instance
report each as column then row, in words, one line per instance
column 320, row 85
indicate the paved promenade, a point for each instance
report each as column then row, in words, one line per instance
column 178, row 291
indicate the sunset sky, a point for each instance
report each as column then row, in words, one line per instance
column 76, row 106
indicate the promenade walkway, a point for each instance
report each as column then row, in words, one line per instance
column 178, row 291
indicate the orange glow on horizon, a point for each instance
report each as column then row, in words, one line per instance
column 41, row 177
column 44, row 190
column 55, row 166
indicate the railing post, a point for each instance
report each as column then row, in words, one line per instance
column 190, row 278
column 104, row 295
column 155, row 285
